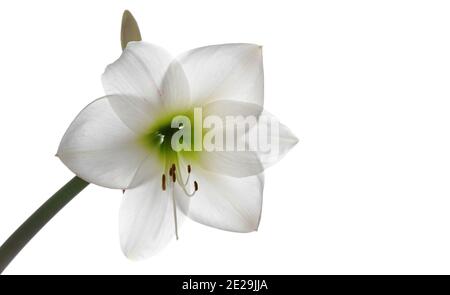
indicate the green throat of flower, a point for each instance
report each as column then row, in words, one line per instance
column 159, row 139
column 171, row 135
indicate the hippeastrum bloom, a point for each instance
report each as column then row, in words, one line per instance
column 125, row 141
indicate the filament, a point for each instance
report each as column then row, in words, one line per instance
column 174, row 208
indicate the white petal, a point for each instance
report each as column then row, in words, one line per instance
column 227, row 203
column 99, row 148
column 175, row 88
column 146, row 221
column 254, row 146
column 232, row 163
column 234, row 158
column 228, row 71
column 137, row 113
column 274, row 139
column 138, row 72
column 226, row 108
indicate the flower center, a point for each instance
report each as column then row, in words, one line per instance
column 170, row 134
column 164, row 138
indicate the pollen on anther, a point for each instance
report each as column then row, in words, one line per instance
column 174, row 167
column 174, row 176
column 163, row 182
column 195, row 185
column 189, row 168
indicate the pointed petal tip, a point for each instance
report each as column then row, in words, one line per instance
column 128, row 253
column 260, row 50
column 133, row 255
column 292, row 138
column 292, row 142
column 130, row 257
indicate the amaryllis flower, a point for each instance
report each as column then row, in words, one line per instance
column 125, row 141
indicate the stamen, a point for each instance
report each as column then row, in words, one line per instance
column 184, row 183
column 170, row 172
column 163, row 182
column 195, row 185
column 174, row 169
column 189, row 175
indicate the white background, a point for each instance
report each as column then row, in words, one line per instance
column 365, row 85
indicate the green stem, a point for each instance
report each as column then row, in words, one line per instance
column 15, row 243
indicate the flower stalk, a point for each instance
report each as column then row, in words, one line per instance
column 15, row 243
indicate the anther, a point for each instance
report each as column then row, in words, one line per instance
column 170, row 172
column 163, row 182
column 189, row 168
column 173, row 168
column 195, row 186
column 174, row 177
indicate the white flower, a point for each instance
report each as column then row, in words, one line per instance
column 122, row 141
